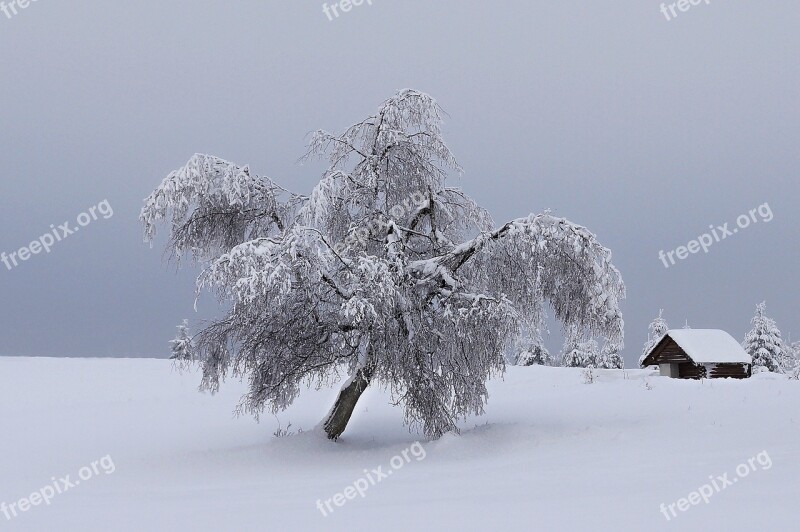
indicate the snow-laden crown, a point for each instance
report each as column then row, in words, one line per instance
column 424, row 300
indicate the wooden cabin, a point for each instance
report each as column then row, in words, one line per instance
column 699, row 354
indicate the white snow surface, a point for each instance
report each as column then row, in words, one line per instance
column 707, row 346
column 551, row 453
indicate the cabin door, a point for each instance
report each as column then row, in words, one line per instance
column 669, row 370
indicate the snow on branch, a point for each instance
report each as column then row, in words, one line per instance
column 535, row 258
column 212, row 204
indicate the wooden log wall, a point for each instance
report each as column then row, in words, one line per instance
column 733, row 371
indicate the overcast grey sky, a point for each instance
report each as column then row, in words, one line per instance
column 645, row 130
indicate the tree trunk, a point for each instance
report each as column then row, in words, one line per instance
column 340, row 414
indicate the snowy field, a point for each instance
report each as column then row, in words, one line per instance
column 551, row 453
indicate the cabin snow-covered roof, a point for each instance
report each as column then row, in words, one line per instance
column 708, row 346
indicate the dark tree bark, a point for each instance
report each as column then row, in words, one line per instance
column 340, row 415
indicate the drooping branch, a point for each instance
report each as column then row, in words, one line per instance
column 581, row 283
column 212, row 205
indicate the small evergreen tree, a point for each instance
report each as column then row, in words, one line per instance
column 592, row 353
column 610, row 357
column 581, row 354
column 796, row 357
column 182, row 348
column 658, row 328
column 533, row 351
column 790, row 363
column 571, row 357
column 535, row 354
column 764, row 343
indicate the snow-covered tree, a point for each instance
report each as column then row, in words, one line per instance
column 764, row 343
column 795, row 350
column 581, row 354
column 182, row 348
column 657, row 329
column 788, row 362
column 531, row 350
column 427, row 307
column 587, row 353
column 610, row 358
column 535, row 355
column 534, row 352
column 571, row 355
column 592, row 350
